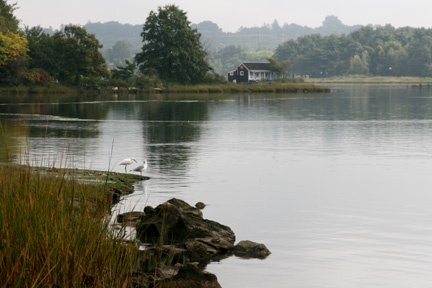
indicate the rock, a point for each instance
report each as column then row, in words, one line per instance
column 130, row 218
column 177, row 223
column 189, row 276
column 249, row 249
column 149, row 210
column 177, row 234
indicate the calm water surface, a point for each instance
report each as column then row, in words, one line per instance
column 337, row 186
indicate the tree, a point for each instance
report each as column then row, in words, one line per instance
column 119, row 53
column 41, row 46
column 77, row 55
column 280, row 68
column 359, row 65
column 13, row 58
column 171, row 48
column 124, row 72
column 13, row 46
column 8, row 22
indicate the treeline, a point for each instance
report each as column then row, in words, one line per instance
column 264, row 37
column 379, row 51
column 226, row 50
column 267, row 36
column 171, row 53
column 32, row 57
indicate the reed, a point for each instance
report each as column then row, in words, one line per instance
column 54, row 233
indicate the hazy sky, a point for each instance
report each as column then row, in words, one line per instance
column 230, row 15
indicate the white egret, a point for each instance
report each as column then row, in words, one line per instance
column 127, row 161
column 141, row 168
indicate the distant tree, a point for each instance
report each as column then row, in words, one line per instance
column 172, row 49
column 280, row 68
column 124, row 72
column 227, row 59
column 359, row 65
column 77, row 55
column 119, row 53
column 8, row 22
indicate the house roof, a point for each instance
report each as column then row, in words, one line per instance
column 257, row 66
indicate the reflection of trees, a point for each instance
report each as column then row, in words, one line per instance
column 68, row 106
column 174, row 124
column 58, row 115
column 63, row 129
column 10, row 131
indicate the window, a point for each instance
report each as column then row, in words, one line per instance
column 231, row 73
column 241, row 73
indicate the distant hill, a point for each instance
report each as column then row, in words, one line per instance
column 266, row 37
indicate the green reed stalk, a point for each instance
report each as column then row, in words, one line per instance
column 53, row 233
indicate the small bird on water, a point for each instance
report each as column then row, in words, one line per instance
column 141, row 168
column 127, row 161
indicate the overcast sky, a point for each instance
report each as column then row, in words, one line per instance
column 229, row 15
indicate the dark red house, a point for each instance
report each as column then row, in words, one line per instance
column 251, row 72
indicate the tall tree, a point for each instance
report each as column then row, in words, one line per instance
column 172, row 49
column 41, row 47
column 78, row 55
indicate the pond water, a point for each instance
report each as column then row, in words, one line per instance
column 336, row 185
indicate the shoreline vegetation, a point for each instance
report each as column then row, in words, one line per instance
column 263, row 87
column 54, row 229
column 306, row 85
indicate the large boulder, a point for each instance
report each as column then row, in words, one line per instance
column 177, row 223
column 177, row 235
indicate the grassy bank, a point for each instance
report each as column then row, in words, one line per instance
column 247, row 88
column 361, row 79
column 54, row 231
column 57, row 89
column 192, row 89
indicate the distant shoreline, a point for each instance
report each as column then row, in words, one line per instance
column 267, row 87
column 387, row 80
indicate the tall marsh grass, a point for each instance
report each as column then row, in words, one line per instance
column 53, row 233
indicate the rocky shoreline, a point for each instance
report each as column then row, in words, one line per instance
column 178, row 241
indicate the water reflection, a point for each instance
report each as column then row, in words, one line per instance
column 10, row 132
column 336, row 185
